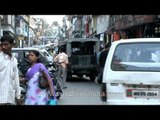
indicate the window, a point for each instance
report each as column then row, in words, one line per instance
column 26, row 28
column 136, row 57
column 26, row 54
column 16, row 55
column 86, row 48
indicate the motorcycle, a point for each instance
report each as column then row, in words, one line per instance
column 53, row 73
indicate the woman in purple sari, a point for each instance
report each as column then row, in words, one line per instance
column 36, row 95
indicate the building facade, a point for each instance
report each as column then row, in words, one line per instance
column 22, row 30
column 102, row 25
column 8, row 25
column 133, row 26
column 32, row 26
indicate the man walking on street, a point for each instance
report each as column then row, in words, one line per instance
column 98, row 65
column 9, row 79
column 62, row 60
column 0, row 48
column 102, row 60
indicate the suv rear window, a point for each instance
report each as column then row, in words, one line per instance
column 136, row 57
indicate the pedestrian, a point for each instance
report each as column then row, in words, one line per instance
column 35, row 95
column 62, row 60
column 102, row 60
column 98, row 65
column 98, row 54
column 0, row 47
column 9, row 79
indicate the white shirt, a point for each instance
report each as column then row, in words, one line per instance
column 9, row 79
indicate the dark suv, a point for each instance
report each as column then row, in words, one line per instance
column 82, row 54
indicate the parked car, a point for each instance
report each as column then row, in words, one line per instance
column 47, row 55
column 21, row 55
column 132, row 74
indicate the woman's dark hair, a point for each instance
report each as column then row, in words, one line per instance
column 7, row 38
column 36, row 54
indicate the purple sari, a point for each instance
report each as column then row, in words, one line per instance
column 35, row 95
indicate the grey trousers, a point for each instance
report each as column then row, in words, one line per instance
column 62, row 75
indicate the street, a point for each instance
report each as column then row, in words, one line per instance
column 81, row 91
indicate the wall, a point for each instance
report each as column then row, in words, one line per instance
column 9, row 24
column 127, row 21
column 102, row 23
column 32, row 23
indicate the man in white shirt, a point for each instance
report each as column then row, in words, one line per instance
column 62, row 60
column 9, row 79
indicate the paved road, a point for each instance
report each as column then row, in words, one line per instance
column 81, row 92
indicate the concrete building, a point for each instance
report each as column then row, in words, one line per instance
column 32, row 26
column 22, row 30
column 69, row 27
column 102, row 25
column 133, row 26
column 77, row 26
column 8, row 25
column 38, row 31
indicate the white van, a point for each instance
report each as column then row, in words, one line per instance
column 132, row 72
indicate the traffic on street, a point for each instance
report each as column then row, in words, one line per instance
column 79, row 60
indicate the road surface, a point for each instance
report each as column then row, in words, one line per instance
column 81, row 91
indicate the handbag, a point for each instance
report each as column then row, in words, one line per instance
column 52, row 100
column 43, row 81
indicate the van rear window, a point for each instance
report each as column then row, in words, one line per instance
column 137, row 57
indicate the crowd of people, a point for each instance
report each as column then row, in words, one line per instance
column 10, row 93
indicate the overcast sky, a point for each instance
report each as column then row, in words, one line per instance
column 51, row 18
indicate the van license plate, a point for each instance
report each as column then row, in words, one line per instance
column 145, row 93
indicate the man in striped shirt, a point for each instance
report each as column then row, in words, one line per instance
column 9, row 79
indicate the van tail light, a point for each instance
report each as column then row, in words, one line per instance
column 129, row 92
